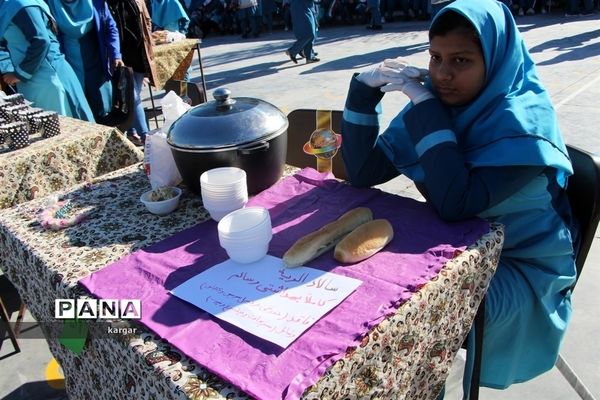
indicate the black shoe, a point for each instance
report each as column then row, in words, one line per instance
column 375, row 27
column 312, row 60
column 136, row 139
column 293, row 58
column 301, row 54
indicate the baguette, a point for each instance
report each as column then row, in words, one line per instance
column 318, row 242
column 364, row 241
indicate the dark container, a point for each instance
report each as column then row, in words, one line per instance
column 241, row 132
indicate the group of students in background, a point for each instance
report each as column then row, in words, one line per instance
column 225, row 16
column 61, row 54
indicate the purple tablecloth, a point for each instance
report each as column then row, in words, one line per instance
column 299, row 204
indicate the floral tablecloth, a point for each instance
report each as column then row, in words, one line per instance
column 81, row 152
column 172, row 60
column 407, row 356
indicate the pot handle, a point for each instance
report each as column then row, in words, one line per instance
column 255, row 148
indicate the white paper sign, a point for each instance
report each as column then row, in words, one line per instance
column 266, row 299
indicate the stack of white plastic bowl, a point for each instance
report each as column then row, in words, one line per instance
column 245, row 234
column 223, row 190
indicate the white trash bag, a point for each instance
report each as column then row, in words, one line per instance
column 159, row 163
column 173, row 107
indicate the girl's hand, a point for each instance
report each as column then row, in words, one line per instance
column 410, row 86
column 119, row 63
column 401, row 66
column 390, row 71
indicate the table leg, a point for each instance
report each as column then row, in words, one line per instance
column 201, row 70
column 153, row 106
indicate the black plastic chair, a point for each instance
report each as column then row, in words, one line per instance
column 584, row 196
column 583, row 191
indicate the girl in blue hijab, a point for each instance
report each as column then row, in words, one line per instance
column 30, row 57
column 169, row 15
column 480, row 139
column 90, row 41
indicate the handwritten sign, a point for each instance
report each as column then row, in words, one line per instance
column 265, row 298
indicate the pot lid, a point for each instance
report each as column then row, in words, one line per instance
column 226, row 122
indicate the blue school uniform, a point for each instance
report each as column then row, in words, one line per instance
column 31, row 50
column 169, row 15
column 304, row 25
column 509, row 132
column 90, row 41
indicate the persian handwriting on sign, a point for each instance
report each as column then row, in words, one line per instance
column 323, row 283
column 266, row 299
column 221, row 291
column 283, row 276
column 306, row 299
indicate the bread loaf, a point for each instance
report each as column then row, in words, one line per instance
column 316, row 243
column 364, row 241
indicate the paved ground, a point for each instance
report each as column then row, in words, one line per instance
column 567, row 52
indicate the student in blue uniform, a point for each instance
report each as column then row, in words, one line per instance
column 30, row 57
column 90, row 41
column 304, row 25
column 373, row 6
column 480, row 138
column 169, row 15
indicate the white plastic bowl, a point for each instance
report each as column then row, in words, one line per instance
column 221, row 178
column 246, row 220
column 249, row 254
column 245, row 234
column 161, row 207
column 218, row 214
column 232, row 203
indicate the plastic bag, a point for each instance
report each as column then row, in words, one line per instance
column 174, row 36
column 173, row 107
column 159, row 163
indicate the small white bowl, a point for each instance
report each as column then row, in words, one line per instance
column 161, row 207
column 223, row 178
column 249, row 254
column 245, row 234
column 245, row 220
column 217, row 214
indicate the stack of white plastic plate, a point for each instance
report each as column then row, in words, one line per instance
column 245, row 234
column 223, row 190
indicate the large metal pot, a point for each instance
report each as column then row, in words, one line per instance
column 231, row 132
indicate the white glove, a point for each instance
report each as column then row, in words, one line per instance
column 410, row 85
column 389, row 71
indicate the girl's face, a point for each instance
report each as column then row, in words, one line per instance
column 456, row 68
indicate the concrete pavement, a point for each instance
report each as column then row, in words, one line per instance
column 567, row 52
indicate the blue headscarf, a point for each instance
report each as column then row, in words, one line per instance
column 73, row 17
column 167, row 13
column 512, row 121
column 8, row 9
